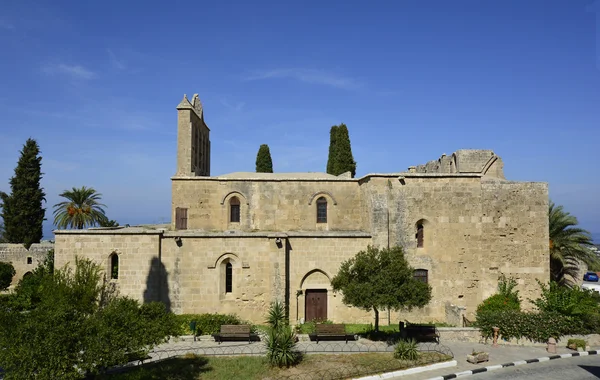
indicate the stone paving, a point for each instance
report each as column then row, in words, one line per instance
column 498, row 355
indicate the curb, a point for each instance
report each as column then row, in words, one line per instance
column 410, row 371
column 513, row 364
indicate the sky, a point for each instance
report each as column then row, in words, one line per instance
column 97, row 83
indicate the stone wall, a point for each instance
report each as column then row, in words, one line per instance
column 268, row 204
column 140, row 271
column 475, row 230
column 24, row 260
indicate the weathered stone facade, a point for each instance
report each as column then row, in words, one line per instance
column 24, row 260
column 239, row 241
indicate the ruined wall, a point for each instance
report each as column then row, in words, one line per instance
column 273, row 205
column 140, row 269
column 24, row 260
column 473, row 161
column 475, row 229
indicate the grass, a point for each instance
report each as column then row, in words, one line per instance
column 193, row 367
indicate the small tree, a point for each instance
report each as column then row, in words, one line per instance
column 264, row 164
column 380, row 278
column 331, row 160
column 22, row 209
column 344, row 161
column 7, row 272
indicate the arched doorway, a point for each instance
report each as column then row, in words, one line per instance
column 315, row 287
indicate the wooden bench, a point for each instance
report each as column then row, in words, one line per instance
column 422, row 332
column 331, row 332
column 235, row 332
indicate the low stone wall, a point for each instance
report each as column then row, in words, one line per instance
column 459, row 334
column 472, row 334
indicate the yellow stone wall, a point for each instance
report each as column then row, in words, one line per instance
column 274, row 205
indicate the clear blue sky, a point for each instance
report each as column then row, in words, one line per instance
column 96, row 84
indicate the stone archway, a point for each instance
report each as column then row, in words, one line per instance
column 316, row 289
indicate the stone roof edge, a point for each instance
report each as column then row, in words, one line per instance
column 266, row 234
column 289, row 179
column 111, row 231
column 440, row 175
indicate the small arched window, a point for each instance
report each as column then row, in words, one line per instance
column 228, row 278
column 421, row 275
column 114, row 266
column 420, row 235
column 322, row 210
column 234, row 210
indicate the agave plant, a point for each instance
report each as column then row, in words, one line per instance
column 281, row 339
column 281, row 347
column 406, row 350
column 276, row 316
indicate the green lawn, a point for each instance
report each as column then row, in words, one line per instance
column 192, row 367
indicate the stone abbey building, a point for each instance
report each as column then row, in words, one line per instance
column 241, row 240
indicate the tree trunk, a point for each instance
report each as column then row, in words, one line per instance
column 376, row 319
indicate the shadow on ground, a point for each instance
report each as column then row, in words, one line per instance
column 594, row 370
column 179, row 368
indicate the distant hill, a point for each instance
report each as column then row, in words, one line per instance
column 596, row 238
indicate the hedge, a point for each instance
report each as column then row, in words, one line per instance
column 206, row 324
column 537, row 327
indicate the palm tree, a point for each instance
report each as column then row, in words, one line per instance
column 569, row 246
column 81, row 209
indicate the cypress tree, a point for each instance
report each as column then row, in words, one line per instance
column 22, row 210
column 264, row 164
column 344, row 161
column 331, row 160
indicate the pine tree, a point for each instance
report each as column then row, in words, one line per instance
column 22, row 210
column 331, row 160
column 264, row 164
column 344, row 161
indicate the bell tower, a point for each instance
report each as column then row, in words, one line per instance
column 193, row 139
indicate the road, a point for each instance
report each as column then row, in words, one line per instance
column 577, row 368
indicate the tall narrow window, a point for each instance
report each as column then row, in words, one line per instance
column 234, row 210
column 228, row 278
column 322, row 210
column 420, row 236
column 181, row 218
column 421, row 275
column 114, row 266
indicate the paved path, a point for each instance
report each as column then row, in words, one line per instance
column 577, row 368
column 498, row 355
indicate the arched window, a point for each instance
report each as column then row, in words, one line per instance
column 421, row 275
column 420, row 235
column 322, row 210
column 228, row 278
column 114, row 266
column 234, row 210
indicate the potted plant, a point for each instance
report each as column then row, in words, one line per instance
column 478, row 357
column 576, row 344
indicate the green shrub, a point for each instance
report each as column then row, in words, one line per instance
column 206, row 324
column 507, row 297
column 577, row 343
column 406, row 350
column 498, row 302
column 574, row 301
column 7, row 272
column 537, row 327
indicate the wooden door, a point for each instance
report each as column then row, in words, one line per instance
column 316, row 304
